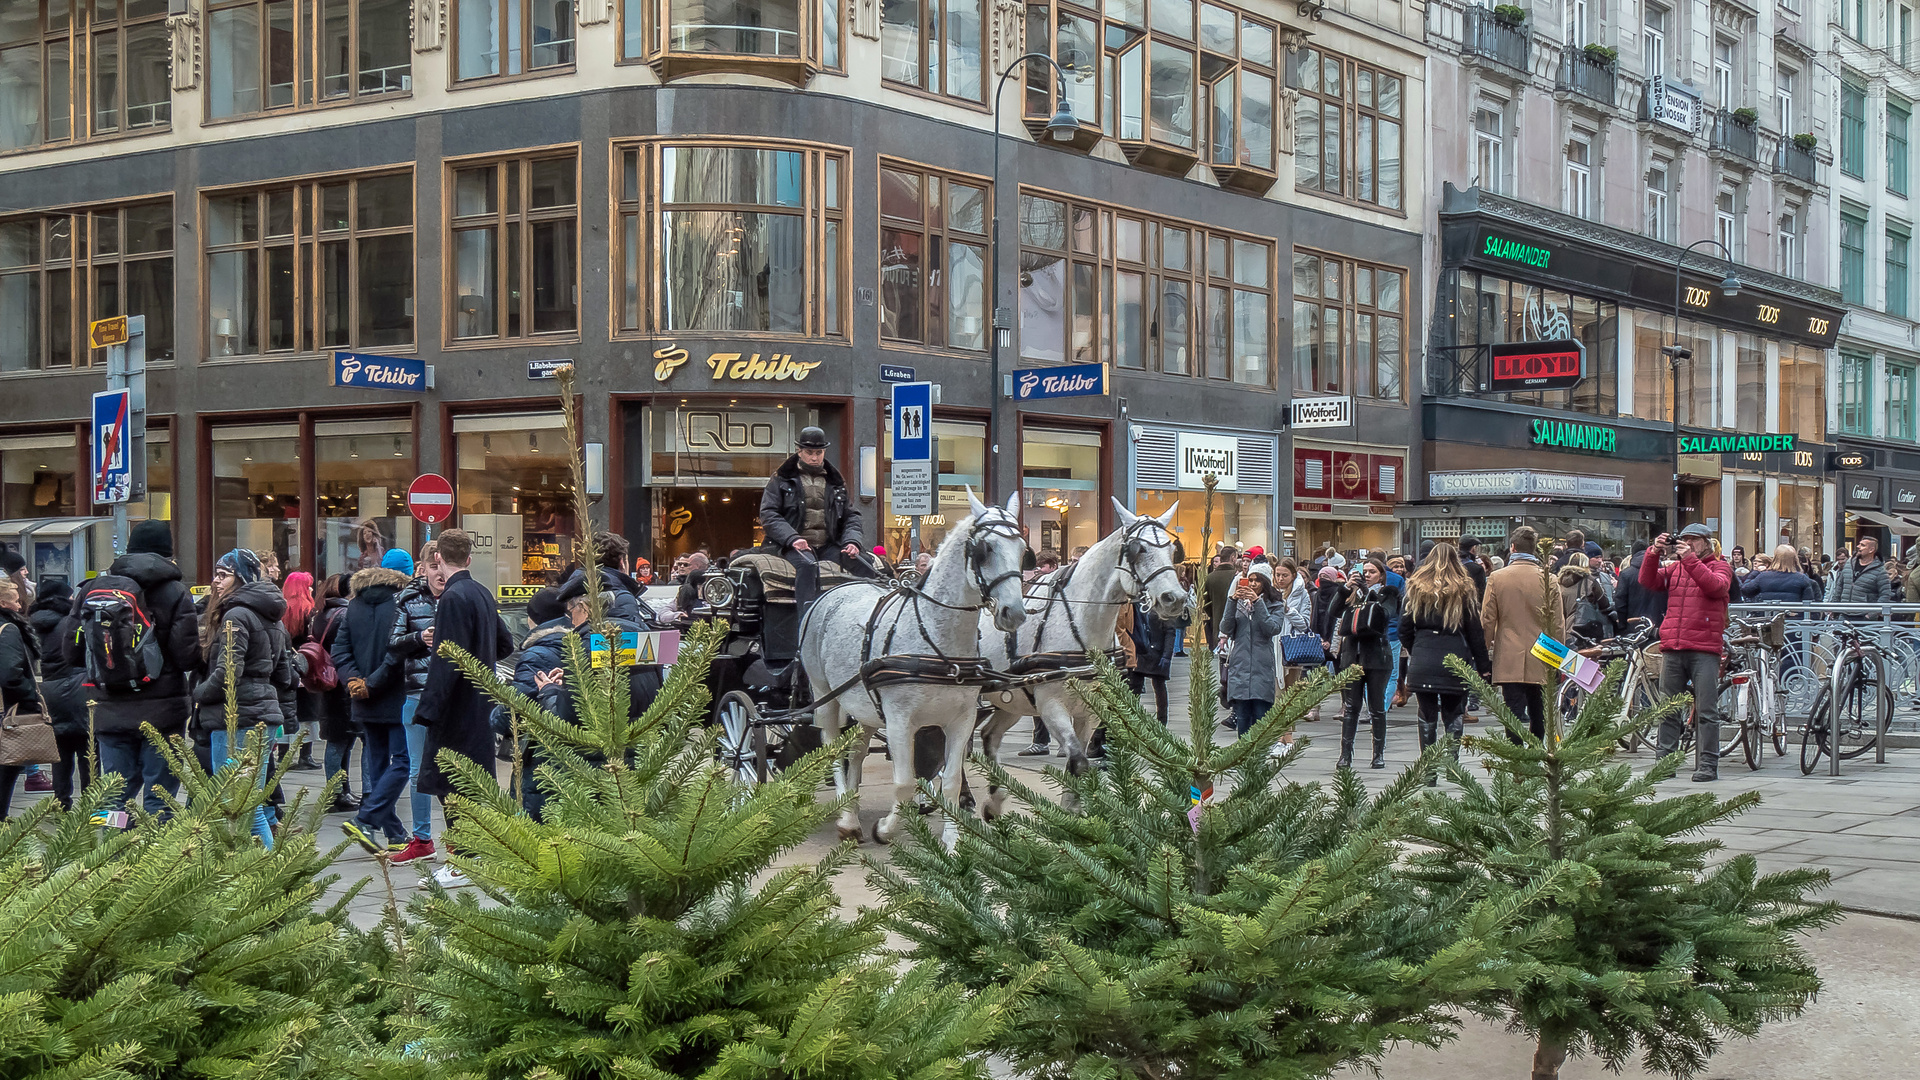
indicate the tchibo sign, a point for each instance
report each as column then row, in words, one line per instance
column 1203, row 454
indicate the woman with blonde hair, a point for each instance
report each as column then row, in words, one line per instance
column 1441, row 618
column 1783, row 582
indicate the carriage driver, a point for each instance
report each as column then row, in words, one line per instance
column 807, row 515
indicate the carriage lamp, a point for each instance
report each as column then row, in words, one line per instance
column 717, row 591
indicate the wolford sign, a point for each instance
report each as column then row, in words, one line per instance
column 1073, row 380
column 1203, row 454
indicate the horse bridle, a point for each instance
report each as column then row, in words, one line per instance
column 1134, row 545
column 1000, row 524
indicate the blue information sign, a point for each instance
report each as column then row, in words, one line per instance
column 1072, row 380
column 895, row 373
column 112, row 456
column 369, row 372
column 913, row 421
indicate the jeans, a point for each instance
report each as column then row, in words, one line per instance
column 139, row 764
column 1137, row 680
column 1528, row 702
column 422, row 805
column 387, row 744
column 1247, row 712
column 1374, row 689
column 1393, row 673
column 340, row 756
column 262, row 819
column 1040, row 735
column 1683, row 669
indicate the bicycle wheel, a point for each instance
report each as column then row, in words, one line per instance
column 1748, row 715
column 1813, row 737
column 1568, row 701
column 1776, row 700
column 1638, row 697
column 1866, row 711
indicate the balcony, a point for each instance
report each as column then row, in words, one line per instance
column 1732, row 135
column 1486, row 36
column 1795, row 162
column 1590, row 78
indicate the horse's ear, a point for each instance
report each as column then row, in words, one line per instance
column 1013, row 505
column 1127, row 517
column 974, row 505
column 1166, row 519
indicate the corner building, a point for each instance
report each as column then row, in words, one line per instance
column 731, row 219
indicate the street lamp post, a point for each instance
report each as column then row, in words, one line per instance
column 1063, row 127
column 1676, row 353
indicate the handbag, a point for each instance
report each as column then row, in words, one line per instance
column 26, row 738
column 1303, row 649
column 1366, row 620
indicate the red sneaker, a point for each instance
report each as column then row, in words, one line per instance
column 416, row 848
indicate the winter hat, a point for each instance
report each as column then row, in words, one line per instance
column 151, row 537
column 1331, row 574
column 1256, row 551
column 1337, row 561
column 1593, row 549
column 398, row 559
column 242, row 564
column 1261, row 569
column 10, row 561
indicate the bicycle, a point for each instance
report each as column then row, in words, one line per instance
column 1854, row 705
column 1639, row 688
column 1750, row 698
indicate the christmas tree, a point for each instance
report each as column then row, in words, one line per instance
column 640, row 930
column 1189, row 913
column 1645, row 944
column 179, row 947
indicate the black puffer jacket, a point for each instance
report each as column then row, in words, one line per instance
column 1429, row 641
column 164, row 703
column 783, row 508
column 363, row 645
column 59, row 680
column 19, row 647
column 259, row 653
column 412, row 616
column 621, row 591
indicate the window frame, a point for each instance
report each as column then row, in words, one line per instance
column 1351, row 312
column 83, row 77
column 935, row 237
column 1726, row 220
column 1899, row 148
column 1355, row 120
column 1653, row 38
column 1785, row 90
column 1853, row 259
column 1853, row 409
column 828, row 317
column 1788, row 235
column 308, row 78
column 1900, row 406
column 81, row 270
column 1660, row 201
column 1899, row 278
column 1490, row 148
column 1853, row 129
column 1579, row 176
column 511, row 225
column 308, row 243
column 524, row 9
column 1210, row 293
column 938, row 14
column 648, row 23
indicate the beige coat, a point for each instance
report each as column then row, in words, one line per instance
column 1511, row 615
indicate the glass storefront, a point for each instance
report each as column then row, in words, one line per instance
column 361, row 472
column 1060, row 482
column 1489, row 310
column 1803, row 391
column 39, row 477
column 513, row 490
column 1241, row 520
column 706, row 466
column 1798, row 505
column 962, row 449
column 1653, row 374
column 256, row 490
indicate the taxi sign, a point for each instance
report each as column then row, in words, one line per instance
column 516, row 594
column 104, row 332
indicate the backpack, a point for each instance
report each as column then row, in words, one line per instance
column 118, row 636
column 320, row 675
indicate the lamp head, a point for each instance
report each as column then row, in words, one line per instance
column 1063, row 127
column 1677, row 353
column 1730, row 285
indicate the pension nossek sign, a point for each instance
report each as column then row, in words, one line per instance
column 1571, row 436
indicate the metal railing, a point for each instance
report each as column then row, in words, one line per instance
column 1586, row 76
column 1735, row 136
column 1486, row 36
column 1794, row 161
column 1808, row 657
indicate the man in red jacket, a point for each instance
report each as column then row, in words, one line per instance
column 1697, row 584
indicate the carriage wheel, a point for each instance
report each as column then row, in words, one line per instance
column 740, row 733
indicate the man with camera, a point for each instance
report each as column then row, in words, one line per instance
column 1697, row 583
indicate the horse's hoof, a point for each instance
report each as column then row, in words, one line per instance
column 994, row 806
column 1077, row 764
column 880, row 837
column 852, row 834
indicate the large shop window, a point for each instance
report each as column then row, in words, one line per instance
column 1798, row 506
column 1060, row 488
column 1803, row 391
column 1348, row 327
column 321, row 265
column 1700, row 398
column 60, row 271
column 361, row 469
column 1174, row 81
column 731, row 239
column 933, row 45
column 1488, row 310
column 514, row 492
column 933, row 266
column 515, row 269
column 82, row 71
column 706, row 465
column 784, row 39
column 40, row 477
column 963, row 464
column 1347, row 134
column 1103, row 286
column 494, row 38
column 263, row 56
column 256, row 490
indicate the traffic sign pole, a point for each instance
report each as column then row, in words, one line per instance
column 125, row 339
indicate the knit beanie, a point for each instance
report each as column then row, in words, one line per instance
column 398, row 559
column 151, row 537
column 242, row 564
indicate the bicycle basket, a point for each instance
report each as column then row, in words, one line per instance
column 1774, row 634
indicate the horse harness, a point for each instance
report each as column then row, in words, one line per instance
column 1133, row 545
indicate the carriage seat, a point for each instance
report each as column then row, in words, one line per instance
column 776, row 574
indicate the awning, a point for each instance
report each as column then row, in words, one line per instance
column 1898, row 525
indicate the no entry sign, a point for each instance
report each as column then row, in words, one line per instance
column 430, row 498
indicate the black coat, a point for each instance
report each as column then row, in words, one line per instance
column 453, row 710
column 19, row 649
column 164, row 703
column 1633, row 601
column 336, row 712
column 363, row 646
column 621, row 592
column 60, row 681
column 1428, row 644
column 1154, row 642
column 259, row 651
column 1325, row 596
column 1371, row 653
column 412, row 615
column 643, row 682
column 783, row 508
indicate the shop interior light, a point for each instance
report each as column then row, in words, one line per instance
column 396, row 447
column 353, row 448
column 533, row 442
column 486, row 443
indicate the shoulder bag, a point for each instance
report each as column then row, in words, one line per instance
column 26, row 738
column 1303, row 649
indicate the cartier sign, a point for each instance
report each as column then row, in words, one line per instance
column 736, row 366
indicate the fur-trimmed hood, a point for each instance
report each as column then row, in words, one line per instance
column 1571, row 575
column 378, row 575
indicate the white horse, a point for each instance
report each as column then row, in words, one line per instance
column 978, row 565
column 1074, row 610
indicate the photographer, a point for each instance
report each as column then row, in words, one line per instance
column 1697, row 584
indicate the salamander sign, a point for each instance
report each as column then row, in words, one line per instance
column 1736, row 444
